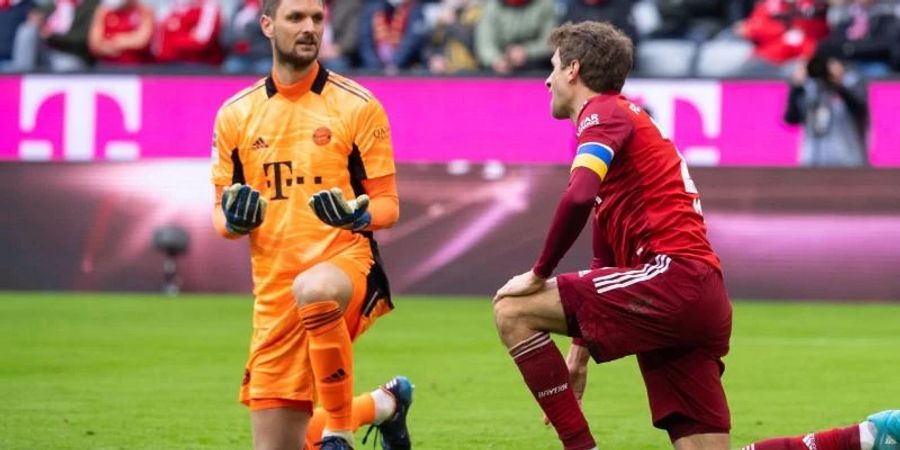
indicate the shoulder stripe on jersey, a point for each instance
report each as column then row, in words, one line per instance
column 597, row 149
column 350, row 86
column 346, row 82
column 349, row 89
column 245, row 94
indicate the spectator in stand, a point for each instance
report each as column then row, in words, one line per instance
column 341, row 37
column 392, row 34
column 250, row 49
column 784, row 33
column 13, row 13
column 692, row 20
column 512, row 35
column 831, row 105
column 738, row 10
column 121, row 32
column 616, row 12
column 57, row 33
column 866, row 32
column 189, row 33
column 451, row 48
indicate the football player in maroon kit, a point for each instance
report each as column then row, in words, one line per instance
column 655, row 286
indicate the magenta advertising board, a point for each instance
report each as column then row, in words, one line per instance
column 130, row 117
column 884, row 142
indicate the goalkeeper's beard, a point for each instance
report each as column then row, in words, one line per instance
column 292, row 60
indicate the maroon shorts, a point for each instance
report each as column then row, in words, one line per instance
column 674, row 314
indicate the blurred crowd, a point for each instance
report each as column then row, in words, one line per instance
column 674, row 38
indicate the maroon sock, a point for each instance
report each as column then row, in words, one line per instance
column 546, row 375
column 836, row 439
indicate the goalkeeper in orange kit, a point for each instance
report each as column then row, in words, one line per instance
column 304, row 166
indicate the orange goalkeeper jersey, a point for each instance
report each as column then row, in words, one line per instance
column 290, row 142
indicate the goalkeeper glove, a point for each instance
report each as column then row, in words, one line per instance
column 331, row 208
column 244, row 208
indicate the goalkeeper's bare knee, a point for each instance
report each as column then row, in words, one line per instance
column 321, row 283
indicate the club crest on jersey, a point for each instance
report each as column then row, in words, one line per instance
column 588, row 122
column 322, row 136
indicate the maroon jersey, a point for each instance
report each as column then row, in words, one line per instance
column 647, row 203
column 190, row 33
column 122, row 21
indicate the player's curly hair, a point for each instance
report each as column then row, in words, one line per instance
column 604, row 53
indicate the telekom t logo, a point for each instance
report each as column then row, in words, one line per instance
column 705, row 96
column 79, row 121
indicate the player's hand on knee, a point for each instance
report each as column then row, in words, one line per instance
column 244, row 208
column 331, row 207
column 524, row 284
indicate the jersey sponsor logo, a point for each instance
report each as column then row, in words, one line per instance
column 582, row 273
column 322, row 136
column 634, row 108
column 588, row 122
column 280, row 176
column 259, row 144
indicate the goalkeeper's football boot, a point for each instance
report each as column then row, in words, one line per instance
column 334, row 443
column 887, row 424
column 394, row 433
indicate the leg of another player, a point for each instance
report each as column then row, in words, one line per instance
column 880, row 432
column 279, row 428
column 524, row 324
column 322, row 293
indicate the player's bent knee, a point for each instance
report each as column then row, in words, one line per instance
column 507, row 316
column 502, row 313
column 310, row 291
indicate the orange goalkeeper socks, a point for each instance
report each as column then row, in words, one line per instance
column 331, row 357
column 363, row 414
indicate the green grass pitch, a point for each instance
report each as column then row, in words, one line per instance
column 118, row 371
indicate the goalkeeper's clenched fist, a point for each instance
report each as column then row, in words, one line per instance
column 331, row 208
column 244, row 208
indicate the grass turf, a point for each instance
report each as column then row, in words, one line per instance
column 119, row 371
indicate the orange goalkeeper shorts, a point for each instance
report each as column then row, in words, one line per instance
column 278, row 372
